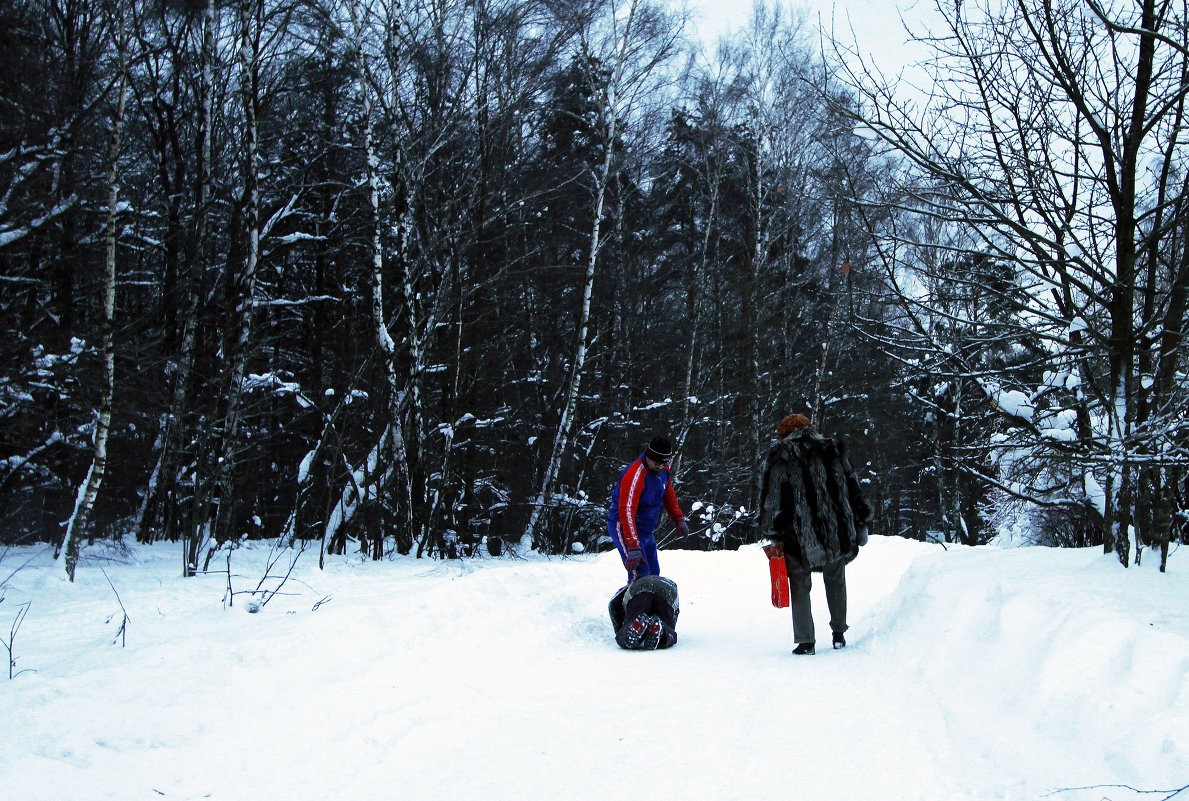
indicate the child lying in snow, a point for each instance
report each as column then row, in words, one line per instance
column 644, row 614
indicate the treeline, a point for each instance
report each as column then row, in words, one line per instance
column 422, row 277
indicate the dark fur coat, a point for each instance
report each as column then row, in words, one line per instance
column 810, row 501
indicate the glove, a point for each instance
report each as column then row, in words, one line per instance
column 682, row 526
column 635, row 558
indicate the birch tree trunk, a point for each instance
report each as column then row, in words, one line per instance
column 638, row 42
column 577, row 366
column 694, row 303
column 409, row 396
column 565, row 424
column 161, row 514
column 390, row 448
column 750, row 269
column 245, row 305
column 90, row 487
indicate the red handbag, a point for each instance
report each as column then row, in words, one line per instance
column 779, row 573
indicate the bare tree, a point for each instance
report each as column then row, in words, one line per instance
column 387, row 463
column 1051, row 139
column 244, row 299
column 90, row 487
column 632, row 39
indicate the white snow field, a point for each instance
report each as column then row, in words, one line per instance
column 972, row 673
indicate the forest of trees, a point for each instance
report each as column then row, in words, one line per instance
column 421, row 277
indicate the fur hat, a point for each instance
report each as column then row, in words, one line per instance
column 791, row 424
column 659, row 450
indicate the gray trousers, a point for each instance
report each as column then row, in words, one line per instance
column 800, row 582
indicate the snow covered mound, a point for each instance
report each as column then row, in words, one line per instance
column 970, row 674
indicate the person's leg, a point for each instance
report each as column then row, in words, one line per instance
column 668, row 637
column 636, row 619
column 639, row 604
column 800, row 582
column 648, row 551
column 669, row 624
column 666, row 617
column 665, row 613
column 834, row 577
column 652, row 611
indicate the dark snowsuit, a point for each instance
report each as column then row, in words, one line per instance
column 653, row 595
column 811, row 503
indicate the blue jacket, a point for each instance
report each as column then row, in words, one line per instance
column 636, row 503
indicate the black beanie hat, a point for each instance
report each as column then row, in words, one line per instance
column 659, row 450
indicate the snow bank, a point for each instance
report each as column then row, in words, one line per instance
column 971, row 674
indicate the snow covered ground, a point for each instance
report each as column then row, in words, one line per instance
column 972, row 674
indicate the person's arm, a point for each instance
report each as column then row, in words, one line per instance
column 854, row 493
column 674, row 508
column 859, row 507
column 763, row 517
column 771, row 517
column 631, row 487
column 671, row 505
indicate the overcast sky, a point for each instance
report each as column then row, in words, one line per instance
column 876, row 24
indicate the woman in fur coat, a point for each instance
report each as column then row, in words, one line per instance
column 811, row 504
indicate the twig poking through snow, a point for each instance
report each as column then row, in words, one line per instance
column 122, row 632
column 8, row 644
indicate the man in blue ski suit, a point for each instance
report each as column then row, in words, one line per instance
column 642, row 490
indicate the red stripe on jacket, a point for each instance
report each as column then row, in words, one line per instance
column 631, row 487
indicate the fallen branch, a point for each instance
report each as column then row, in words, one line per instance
column 1168, row 794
